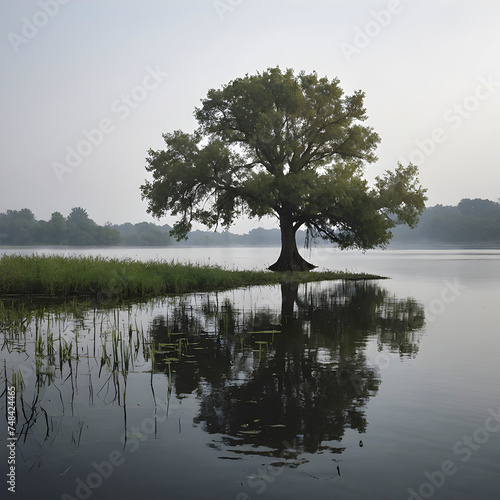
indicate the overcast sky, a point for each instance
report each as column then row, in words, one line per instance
column 88, row 86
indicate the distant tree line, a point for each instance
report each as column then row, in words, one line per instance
column 19, row 227
column 148, row 234
column 144, row 234
column 471, row 221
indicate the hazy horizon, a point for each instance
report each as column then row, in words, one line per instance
column 107, row 79
column 233, row 229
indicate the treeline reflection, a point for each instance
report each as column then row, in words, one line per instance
column 295, row 371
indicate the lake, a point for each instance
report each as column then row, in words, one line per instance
column 373, row 389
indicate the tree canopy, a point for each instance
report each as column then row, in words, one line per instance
column 283, row 145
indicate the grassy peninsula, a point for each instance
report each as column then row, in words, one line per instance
column 58, row 276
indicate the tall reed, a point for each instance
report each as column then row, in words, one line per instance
column 111, row 279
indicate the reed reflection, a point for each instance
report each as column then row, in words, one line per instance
column 290, row 367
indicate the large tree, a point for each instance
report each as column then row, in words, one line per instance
column 283, row 145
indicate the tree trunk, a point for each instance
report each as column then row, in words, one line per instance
column 289, row 259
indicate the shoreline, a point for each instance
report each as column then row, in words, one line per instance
column 86, row 276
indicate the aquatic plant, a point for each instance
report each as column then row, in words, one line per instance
column 108, row 280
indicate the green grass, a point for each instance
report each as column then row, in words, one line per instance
column 96, row 276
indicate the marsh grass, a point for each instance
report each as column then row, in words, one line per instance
column 45, row 354
column 112, row 279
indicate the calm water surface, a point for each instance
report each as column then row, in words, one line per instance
column 381, row 389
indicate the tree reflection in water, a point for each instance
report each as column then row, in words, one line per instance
column 296, row 373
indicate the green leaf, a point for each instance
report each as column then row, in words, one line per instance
column 283, row 145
